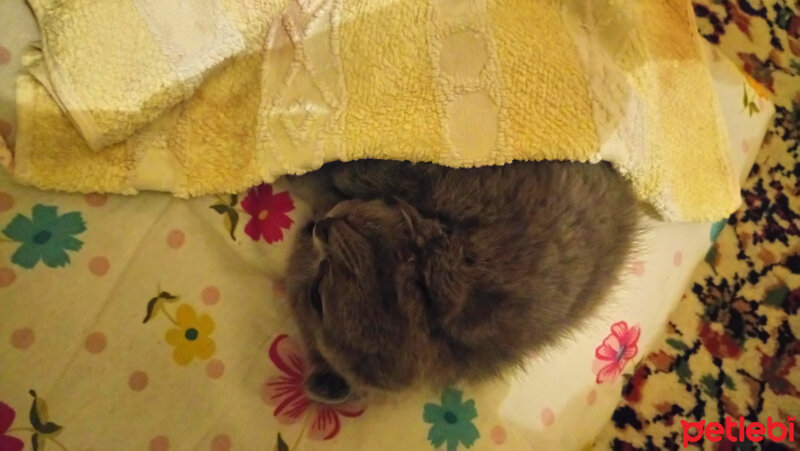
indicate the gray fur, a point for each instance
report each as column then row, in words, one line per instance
column 433, row 275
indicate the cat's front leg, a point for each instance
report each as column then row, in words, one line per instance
column 316, row 188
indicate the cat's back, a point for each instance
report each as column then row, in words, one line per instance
column 551, row 191
column 546, row 233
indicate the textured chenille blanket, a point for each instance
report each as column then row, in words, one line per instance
column 214, row 96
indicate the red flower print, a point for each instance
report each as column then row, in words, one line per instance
column 615, row 352
column 287, row 393
column 7, row 442
column 267, row 213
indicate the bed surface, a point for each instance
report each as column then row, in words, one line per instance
column 155, row 323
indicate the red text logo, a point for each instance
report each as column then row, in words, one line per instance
column 754, row 432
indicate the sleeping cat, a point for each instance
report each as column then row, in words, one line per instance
column 418, row 273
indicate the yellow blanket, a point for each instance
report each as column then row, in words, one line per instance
column 212, row 96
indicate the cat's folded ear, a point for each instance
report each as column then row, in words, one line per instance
column 328, row 387
column 422, row 229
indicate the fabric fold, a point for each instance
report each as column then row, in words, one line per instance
column 114, row 66
column 455, row 82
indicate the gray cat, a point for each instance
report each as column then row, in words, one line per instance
column 418, row 273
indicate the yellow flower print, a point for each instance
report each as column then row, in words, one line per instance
column 192, row 336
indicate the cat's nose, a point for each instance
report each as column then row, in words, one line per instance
column 322, row 229
column 327, row 387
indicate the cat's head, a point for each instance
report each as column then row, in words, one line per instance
column 378, row 292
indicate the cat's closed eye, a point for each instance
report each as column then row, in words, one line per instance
column 314, row 294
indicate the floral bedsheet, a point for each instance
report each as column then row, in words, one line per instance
column 155, row 323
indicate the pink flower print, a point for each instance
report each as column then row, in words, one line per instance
column 288, row 394
column 267, row 213
column 617, row 349
column 7, row 442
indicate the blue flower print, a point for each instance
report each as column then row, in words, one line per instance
column 451, row 421
column 716, row 229
column 45, row 236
